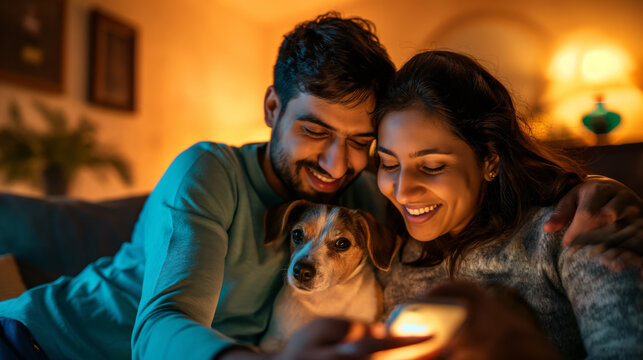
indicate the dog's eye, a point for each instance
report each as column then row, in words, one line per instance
column 342, row 244
column 297, row 236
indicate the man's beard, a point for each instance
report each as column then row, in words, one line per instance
column 291, row 178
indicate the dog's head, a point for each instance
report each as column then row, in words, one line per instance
column 328, row 243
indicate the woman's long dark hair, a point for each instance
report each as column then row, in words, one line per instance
column 479, row 110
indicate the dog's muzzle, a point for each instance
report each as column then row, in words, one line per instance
column 303, row 272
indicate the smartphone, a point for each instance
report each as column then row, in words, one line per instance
column 438, row 318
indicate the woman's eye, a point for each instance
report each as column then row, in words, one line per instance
column 297, row 236
column 433, row 170
column 342, row 244
column 388, row 167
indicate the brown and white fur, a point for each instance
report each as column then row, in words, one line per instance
column 329, row 273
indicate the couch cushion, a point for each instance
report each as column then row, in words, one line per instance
column 56, row 236
column 11, row 284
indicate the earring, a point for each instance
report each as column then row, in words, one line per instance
column 492, row 174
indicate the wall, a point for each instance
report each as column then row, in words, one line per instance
column 204, row 65
column 200, row 77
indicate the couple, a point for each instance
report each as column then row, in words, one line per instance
column 197, row 282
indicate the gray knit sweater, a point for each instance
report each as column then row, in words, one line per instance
column 585, row 309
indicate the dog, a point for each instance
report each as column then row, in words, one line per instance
column 329, row 273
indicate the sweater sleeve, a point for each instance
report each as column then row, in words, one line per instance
column 184, row 228
column 607, row 306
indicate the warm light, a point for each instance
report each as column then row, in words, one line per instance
column 563, row 66
column 438, row 319
column 411, row 330
column 587, row 64
column 604, row 65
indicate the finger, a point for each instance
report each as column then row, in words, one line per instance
column 579, row 225
column 593, row 196
column 631, row 260
column 367, row 345
column 563, row 213
column 327, row 331
column 622, row 206
column 596, row 250
column 632, row 244
column 609, row 256
column 415, row 350
column 610, row 235
column 609, row 259
column 617, row 260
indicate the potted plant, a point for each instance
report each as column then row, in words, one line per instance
column 51, row 159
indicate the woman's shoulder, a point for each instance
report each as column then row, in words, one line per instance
column 531, row 236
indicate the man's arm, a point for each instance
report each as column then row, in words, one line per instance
column 596, row 203
column 183, row 227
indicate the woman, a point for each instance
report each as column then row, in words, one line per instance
column 474, row 191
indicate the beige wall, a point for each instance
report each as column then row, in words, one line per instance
column 203, row 65
column 200, row 77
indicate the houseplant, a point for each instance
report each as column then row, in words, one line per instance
column 51, row 159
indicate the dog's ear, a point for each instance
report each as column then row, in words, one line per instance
column 280, row 218
column 382, row 243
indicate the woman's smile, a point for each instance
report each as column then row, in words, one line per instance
column 420, row 214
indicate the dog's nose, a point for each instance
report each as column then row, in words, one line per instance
column 303, row 271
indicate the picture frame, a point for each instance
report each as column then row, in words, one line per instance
column 112, row 62
column 33, row 51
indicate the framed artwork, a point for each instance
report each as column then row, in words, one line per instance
column 32, row 43
column 112, row 51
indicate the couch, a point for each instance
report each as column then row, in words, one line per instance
column 44, row 238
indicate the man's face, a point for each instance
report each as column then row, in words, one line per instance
column 317, row 148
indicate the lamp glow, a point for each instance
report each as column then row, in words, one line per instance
column 603, row 65
column 563, row 66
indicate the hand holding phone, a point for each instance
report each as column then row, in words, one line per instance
column 439, row 318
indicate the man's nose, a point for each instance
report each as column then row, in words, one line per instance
column 334, row 159
column 409, row 187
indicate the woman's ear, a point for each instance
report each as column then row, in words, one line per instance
column 491, row 166
column 271, row 106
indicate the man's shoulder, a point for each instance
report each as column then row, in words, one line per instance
column 226, row 155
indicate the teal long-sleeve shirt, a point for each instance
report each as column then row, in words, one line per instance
column 196, row 277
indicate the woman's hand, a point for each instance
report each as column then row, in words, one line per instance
column 591, row 207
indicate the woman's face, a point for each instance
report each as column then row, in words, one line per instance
column 429, row 174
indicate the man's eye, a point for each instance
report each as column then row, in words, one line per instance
column 362, row 144
column 312, row 133
column 297, row 236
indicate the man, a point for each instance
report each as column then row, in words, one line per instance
column 196, row 280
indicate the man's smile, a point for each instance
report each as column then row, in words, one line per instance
column 322, row 182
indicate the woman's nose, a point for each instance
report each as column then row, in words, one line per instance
column 408, row 187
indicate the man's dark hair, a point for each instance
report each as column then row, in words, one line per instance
column 337, row 59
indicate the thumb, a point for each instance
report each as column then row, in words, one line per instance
column 563, row 213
